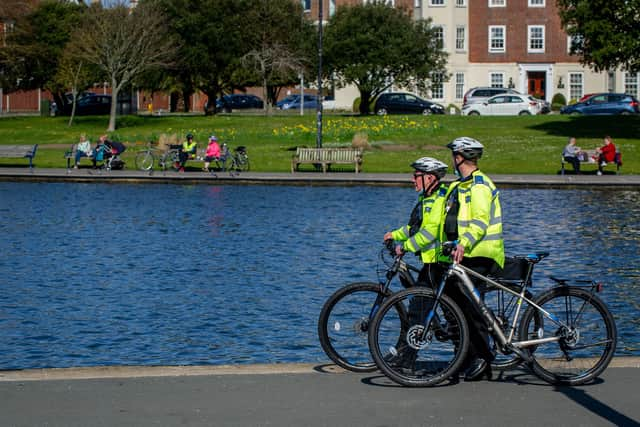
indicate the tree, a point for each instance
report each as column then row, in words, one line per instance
column 278, row 45
column 34, row 46
column 605, row 32
column 374, row 46
column 214, row 36
column 124, row 44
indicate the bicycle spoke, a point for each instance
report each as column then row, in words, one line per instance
column 586, row 343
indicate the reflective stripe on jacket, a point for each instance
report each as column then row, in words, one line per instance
column 425, row 239
column 479, row 218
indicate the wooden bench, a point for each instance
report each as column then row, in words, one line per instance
column 586, row 157
column 327, row 157
column 19, row 151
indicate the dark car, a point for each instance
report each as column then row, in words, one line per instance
column 405, row 103
column 604, row 103
column 287, row 100
column 310, row 102
column 238, row 101
column 89, row 105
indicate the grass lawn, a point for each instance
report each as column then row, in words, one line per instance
column 520, row 145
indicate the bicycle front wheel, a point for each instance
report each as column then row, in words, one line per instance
column 144, row 161
column 584, row 346
column 404, row 352
column 343, row 325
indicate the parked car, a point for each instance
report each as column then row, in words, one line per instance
column 504, row 105
column 87, row 105
column 309, row 102
column 604, row 103
column 238, row 101
column 585, row 97
column 287, row 100
column 481, row 94
column 329, row 103
column 405, row 103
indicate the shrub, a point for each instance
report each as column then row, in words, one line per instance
column 558, row 98
column 360, row 140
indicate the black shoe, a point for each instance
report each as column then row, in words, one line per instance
column 478, row 370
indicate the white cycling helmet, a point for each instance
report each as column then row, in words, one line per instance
column 213, row 138
column 467, row 147
column 431, row 166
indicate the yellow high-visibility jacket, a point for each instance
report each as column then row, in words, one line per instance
column 479, row 217
column 425, row 239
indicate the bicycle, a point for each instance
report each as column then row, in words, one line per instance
column 171, row 158
column 238, row 161
column 147, row 158
column 344, row 320
column 561, row 345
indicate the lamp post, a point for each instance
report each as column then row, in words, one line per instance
column 319, row 102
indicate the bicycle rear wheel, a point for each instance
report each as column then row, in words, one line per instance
column 170, row 160
column 144, row 161
column 504, row 306
column 397, row 344
column 343, row 325
column 585, row 347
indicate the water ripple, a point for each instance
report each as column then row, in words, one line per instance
column 96, row 274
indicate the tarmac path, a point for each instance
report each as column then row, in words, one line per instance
column 306, row 395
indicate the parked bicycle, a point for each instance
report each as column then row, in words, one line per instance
column 238, row 160
column 171, row 158
column 147, row 158
column 567, row 335
column 345, row 318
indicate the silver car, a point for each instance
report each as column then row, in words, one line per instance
column 481, row 94
column 504, row 105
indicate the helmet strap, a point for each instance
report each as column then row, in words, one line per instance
column 428, row 191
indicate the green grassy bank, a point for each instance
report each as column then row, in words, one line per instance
column 514, row 145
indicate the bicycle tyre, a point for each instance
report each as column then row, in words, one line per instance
column 503, row 304
column 411, row 362
column 343, row 325
column 145, row 161
column 590, row 343
column 244, row 165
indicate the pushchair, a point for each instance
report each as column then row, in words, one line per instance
column 110, row 152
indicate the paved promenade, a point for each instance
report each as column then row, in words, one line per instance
column 306, row 395
column 301, row 178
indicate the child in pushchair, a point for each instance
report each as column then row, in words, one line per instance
column 109, row 152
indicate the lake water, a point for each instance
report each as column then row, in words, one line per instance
column 119, row 274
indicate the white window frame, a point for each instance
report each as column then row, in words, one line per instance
column 444, row 36
column 530, row 29
column 632, row 83
column 497, row 3
column 440, row 86
column 462, row 48
column 542, row 3
column 304, row 5
column 440, row 3
column 496, row 73
column 459, row 86
column 504, row 39
column 461, row 3
column 571, row 85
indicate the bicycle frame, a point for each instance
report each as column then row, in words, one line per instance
column 399, row 267
column 506, row 344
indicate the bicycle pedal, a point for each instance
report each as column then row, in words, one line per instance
column 524, row 355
